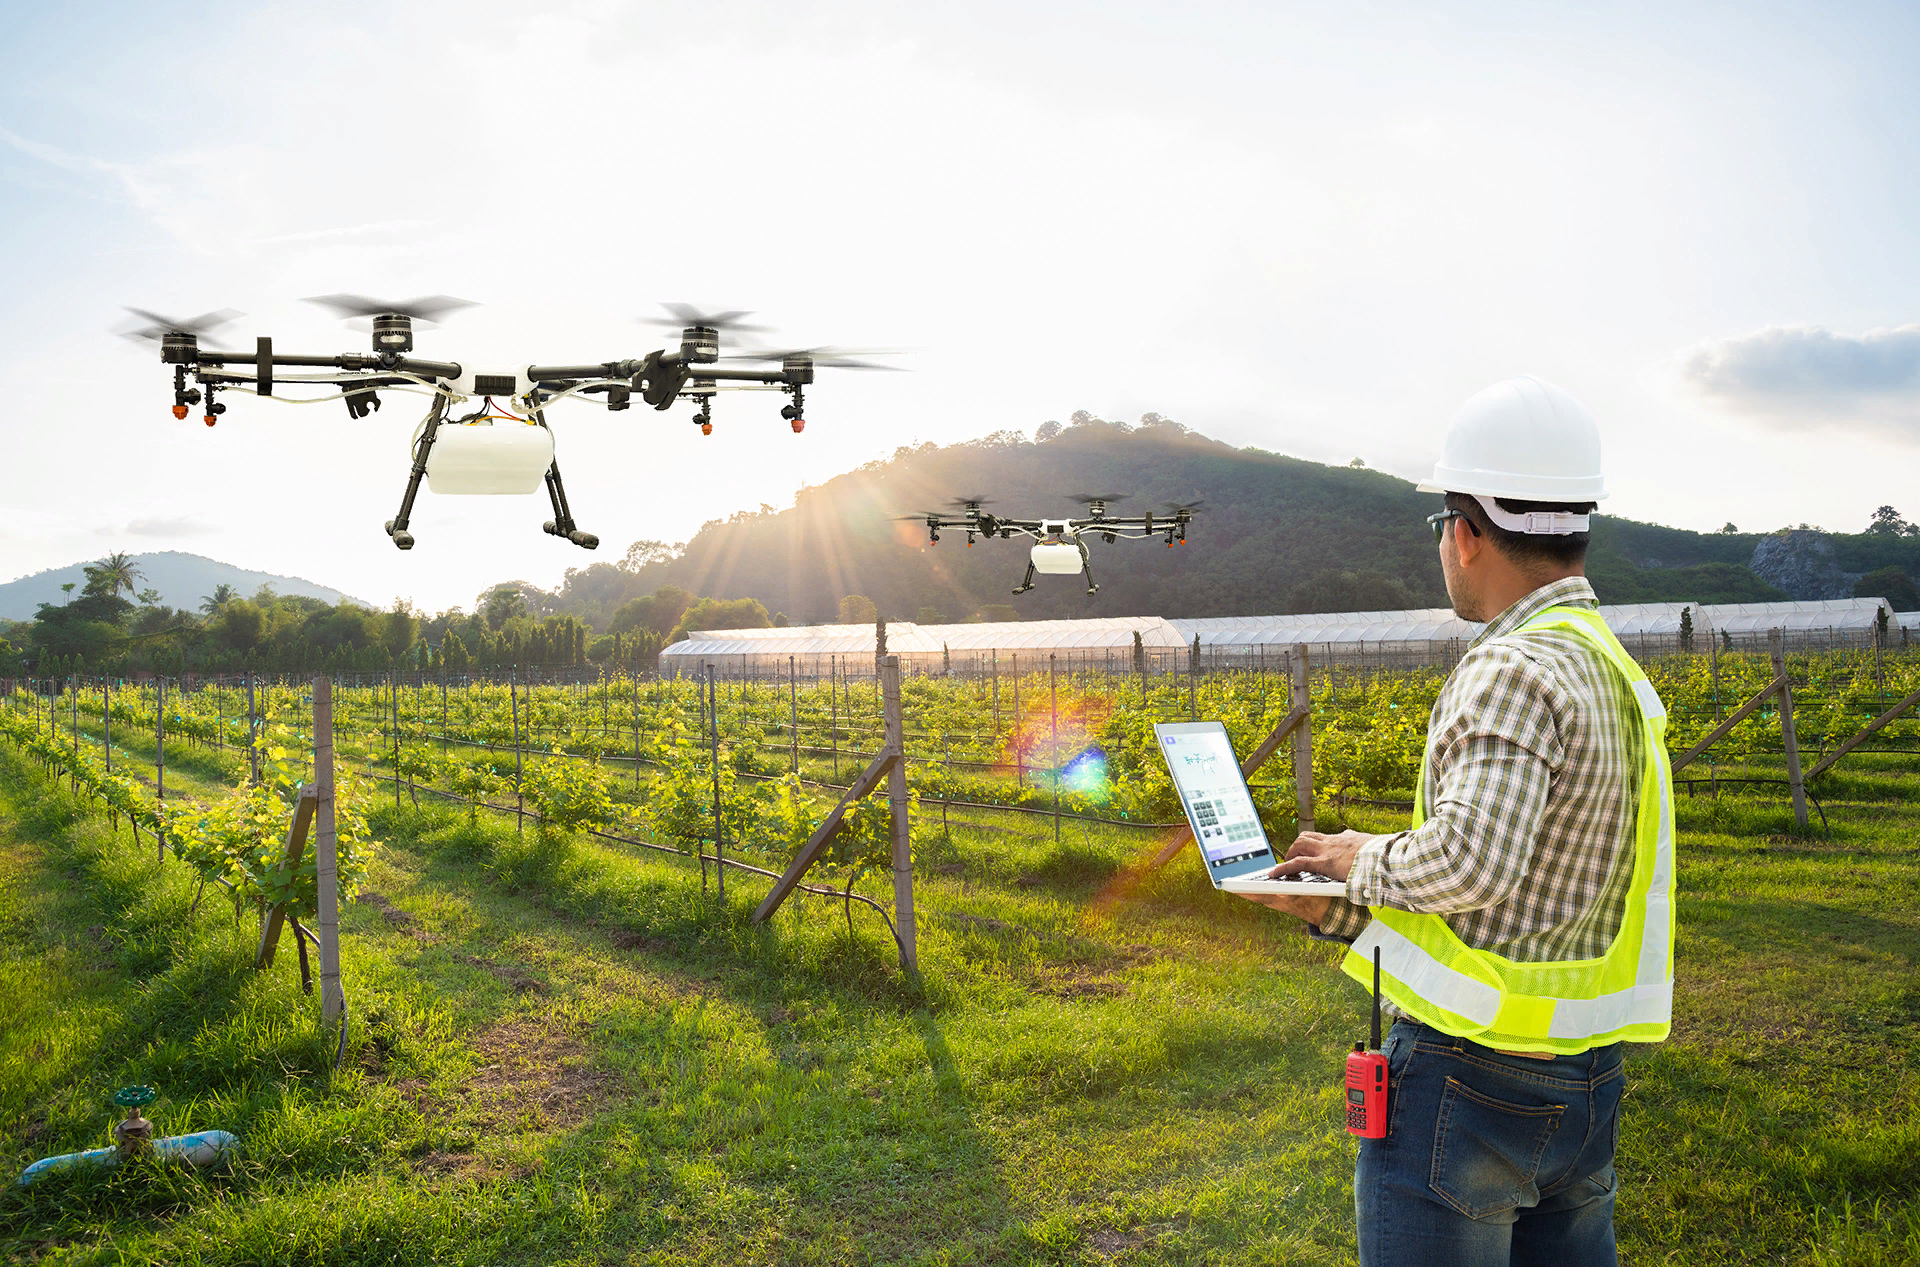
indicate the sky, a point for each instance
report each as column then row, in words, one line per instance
column 1311, row 228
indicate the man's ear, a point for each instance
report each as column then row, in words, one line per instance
column 1467, row 543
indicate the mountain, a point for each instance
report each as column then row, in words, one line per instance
column 1277, row 534
column 182, row 579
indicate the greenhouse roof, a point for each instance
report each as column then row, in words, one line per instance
column 1830, row 613
column 907, row 638
column 1431, row 624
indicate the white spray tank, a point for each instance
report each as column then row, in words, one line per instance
column 133, row 1137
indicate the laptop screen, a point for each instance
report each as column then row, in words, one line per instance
column 1219, row 807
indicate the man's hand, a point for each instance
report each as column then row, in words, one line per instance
column 1330, row 856
column 1310, row 909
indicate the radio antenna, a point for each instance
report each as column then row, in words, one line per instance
column 1375, row 1033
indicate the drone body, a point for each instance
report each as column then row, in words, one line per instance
column 494, row 450
column 1059, row 548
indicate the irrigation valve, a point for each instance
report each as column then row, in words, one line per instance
column 133, row 1135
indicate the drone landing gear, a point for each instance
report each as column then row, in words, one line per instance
column 1026, row 582
column 1086, row 566
column 397, row 526
column 562, row 525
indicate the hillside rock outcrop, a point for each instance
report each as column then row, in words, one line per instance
column 1801, row 562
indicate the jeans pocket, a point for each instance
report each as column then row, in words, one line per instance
column 1486, row 1152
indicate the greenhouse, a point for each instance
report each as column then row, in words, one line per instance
column 817, row 651
column 1363, row 640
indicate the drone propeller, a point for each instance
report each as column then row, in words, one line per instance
column 686, row 315
column 970, row 503
column 1099, row 500
column 822, row 357
column 1176, row 508
column 155, row 327
column 429, row 308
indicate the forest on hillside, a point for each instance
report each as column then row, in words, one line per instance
column 1277, row 534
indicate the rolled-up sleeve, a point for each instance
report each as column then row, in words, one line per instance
column 1495, row 748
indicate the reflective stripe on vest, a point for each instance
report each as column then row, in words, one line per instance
column 1567, row 1006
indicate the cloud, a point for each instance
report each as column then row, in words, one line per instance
column 1798, row 377
column 162, row 526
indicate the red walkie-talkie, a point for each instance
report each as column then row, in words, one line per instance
column 1367, row 1076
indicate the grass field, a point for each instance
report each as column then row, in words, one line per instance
column 570, row 1055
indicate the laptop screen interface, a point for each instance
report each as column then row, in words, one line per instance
column 1219, row 807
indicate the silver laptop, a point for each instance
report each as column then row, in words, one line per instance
column 1220, row 810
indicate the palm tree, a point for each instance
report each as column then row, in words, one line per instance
column 221, row 596
column 114, row 573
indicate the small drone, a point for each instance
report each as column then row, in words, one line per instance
column 471, row 454
column 1059, row 547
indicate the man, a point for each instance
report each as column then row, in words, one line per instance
column 1524, row 924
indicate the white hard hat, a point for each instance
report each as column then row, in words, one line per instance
column 1523, row 439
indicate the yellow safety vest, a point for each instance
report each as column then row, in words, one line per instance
column 1562, row 1007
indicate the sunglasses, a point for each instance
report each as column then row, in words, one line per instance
column 1439, row 524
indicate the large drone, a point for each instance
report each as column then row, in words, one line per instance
column 497, row 448
column 1059, row 548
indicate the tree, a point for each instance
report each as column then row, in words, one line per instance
column 722, row 613
column 1686, row 630
column 453, row 653
column 398, row 629
column 1350, row 592
column 1891, row 583
column 1729, row 528
column 241, row 624
column 930, row 616
column 641, row 553
column 114, row 573
column 995, row 613
column 1046, row 431
column 221, row 596
column 858, row 609
column 503, row 604
column 1887, row 522
column 659, row 611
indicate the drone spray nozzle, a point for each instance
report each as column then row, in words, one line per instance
column 706, row 428
column 210, row 420
column 179, row 411
column 798, row 425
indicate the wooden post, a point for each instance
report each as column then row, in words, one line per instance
column 897, row 807
column 327, row 873
column 1302, row 737
column 1713, row 667
column 519, row 771
column 392, row 690
column 296, row 845
column 793, row 712
column 636, row 728
column 106, row 720
column 253, row 754
column 1193, row 691
column 1053, row 754
column 160, row 757
column 719, row 853
column 1776, row 646
column 833, row 705
column 996, row 694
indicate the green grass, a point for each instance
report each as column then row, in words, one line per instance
column 569, row 1054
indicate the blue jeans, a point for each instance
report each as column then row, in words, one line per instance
column 1490, row 1159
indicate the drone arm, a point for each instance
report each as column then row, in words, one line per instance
column 350, row 361
column 605, row 369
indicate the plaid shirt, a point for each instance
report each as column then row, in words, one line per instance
column 1534, row 752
